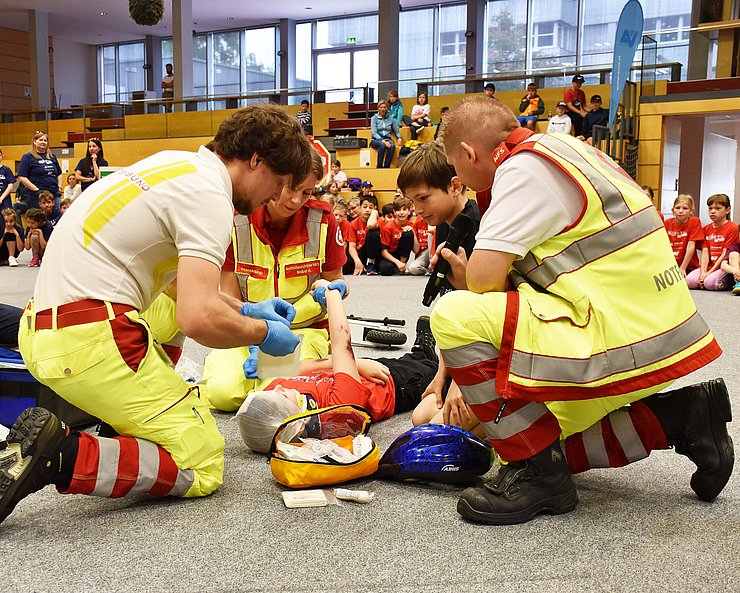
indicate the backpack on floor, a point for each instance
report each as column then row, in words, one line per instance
column 333, row 426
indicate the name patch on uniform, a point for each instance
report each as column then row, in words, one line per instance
column 500, row 153
column 305, row 268
column 251, row 270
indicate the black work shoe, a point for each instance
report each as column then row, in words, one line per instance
column 425, row 342
column 521, row 490
column 702, row 436
column 27, row 463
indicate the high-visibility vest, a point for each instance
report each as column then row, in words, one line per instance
column 601, row 308
column 289, row 274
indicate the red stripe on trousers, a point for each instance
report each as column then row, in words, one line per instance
column 128, row 466
column 535, row 438
column 85, row 473
column 479, row 372
column 646, row 425
column 131, row 339
column 167, row 474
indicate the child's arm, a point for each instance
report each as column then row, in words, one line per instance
column 690, row 250
column 415, row 248
column 342, row 356
column 359, row 268
column 718, row 263
column 42, row 240
column 27, row 243
column 372, row 221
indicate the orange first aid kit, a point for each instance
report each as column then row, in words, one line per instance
column 324, row 446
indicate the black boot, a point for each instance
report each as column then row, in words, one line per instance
column 523, row 489
column 31, row 458
column 425, row 342
column 694, row 420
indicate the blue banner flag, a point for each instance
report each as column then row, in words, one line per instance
column 629, row 34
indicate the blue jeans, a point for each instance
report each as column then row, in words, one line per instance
column 385, row 154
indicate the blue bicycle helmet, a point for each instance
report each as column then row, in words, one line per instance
column 436, row 453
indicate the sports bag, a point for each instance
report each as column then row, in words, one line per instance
column 333, row 430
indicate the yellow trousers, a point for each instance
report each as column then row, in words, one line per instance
column 84, row 365
column 461, row 318
column 224, row 383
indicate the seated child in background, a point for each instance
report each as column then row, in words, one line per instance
column 353, row 209
column 332, row 194
column 366, row 189
column 386, row 215
column 718, row 236
column 364, row 240
column 384, row 387
column 530, row 107
column 598, row 116
column 46, row 202
column 684, row 233
column 560, row 122
column 13, row 239
column 336, row 175
column 37, row 234
column 397, row 239
column 442, row 113
column 73, row 188
column 732, row 265
column 439, row 197
column 340, row 214
column 64, row 204
column 420, row 265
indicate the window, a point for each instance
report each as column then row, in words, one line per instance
column 415, row 49
column 122, row 71
column 360, row 30
column 259, row 49
column 507, row 36
column 303, row 66
column 451, row 60
column 544, row 35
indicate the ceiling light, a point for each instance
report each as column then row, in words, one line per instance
column 103, row 14
column 229, row 18
column 308, row 8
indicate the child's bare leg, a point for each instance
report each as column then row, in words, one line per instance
column 11, row 248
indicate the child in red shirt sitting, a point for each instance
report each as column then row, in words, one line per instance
column 718, row 236
column 384, row 387
column 364, row 239
column 684, row 233
column 420, row 265
column 397, row 239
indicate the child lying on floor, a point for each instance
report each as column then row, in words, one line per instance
column 384, row 387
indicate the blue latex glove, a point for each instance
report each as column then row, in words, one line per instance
column 319, row 293
column 274, row 309
column 279, row 340
column 250, row 365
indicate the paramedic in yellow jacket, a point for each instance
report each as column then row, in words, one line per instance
column 82, row 334
column 572, row 298
column 279, row 250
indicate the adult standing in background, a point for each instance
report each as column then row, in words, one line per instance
column 168, row 88
column 7, row 179
column 38, row 171
column 87, row 170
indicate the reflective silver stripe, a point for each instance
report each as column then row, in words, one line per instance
column 593, row 445
column 480, row 393
column 513, row 424
column 148, row 466
column 614, row 205
column 313, row 222
column 590, row 249
column 183, row 482
column 470, row 354
column 109, row 452
column 243, row 252
column 540, row 367
column 627, row 436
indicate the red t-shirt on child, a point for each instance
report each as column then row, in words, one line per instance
column 718, row 238
column 421, row 228
column 329, row 389
column 680, row 234
column 390, row 234
column 357, row 232
column 344, row 229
